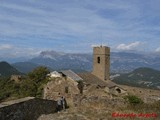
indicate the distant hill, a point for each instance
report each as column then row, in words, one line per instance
column 6, row 69
column 24, row 67
column 141, row 77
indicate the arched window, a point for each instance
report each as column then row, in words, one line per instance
column 118, row 90
column 98, row 60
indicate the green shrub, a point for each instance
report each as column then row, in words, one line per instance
column 38, row 74
column 28, row 88
column 133, row 100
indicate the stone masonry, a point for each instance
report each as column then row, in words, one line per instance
column 101, row 62
column 28, row 108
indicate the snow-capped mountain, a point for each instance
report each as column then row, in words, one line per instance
column 59, row 60
column 120, row 61
column 51, row 54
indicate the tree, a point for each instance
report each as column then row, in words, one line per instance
column 28, row 88
column 38, row 74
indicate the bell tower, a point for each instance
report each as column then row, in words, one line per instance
column 101, row 62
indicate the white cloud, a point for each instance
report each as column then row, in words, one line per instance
column 130, row 46
column 5, row 46
column 11, row 51
column 158, row 49
column 76, row 20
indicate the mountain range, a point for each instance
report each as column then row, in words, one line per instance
column 141, row 77
column 57, row 61
column 134, row 64
column 121, row 62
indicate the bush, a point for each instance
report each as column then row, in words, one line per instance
column 134, row 100
column 38, row 74
column 28, row 88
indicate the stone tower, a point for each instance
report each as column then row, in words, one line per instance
column 101, row 62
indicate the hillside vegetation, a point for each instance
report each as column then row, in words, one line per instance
column 30, row 85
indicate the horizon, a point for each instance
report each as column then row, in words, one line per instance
column 30, row 27
column 12, row 60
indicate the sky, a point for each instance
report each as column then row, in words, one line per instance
column 28, row 27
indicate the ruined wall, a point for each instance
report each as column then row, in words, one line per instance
column 59, row 85
column 29, row 108
column 116, row 91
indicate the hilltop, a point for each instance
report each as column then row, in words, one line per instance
column 97, row 105
column 89, row 96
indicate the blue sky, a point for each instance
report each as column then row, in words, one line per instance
column 30, row 26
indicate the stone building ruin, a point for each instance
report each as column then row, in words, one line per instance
column 99, row 78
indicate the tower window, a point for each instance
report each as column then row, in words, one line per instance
column 66, row 90
column 98, row 59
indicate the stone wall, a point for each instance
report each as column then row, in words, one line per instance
column 58, row 85
column 29, row 108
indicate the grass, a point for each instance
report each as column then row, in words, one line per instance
column 103, row 110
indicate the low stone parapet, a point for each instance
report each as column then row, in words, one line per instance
column 28, row 108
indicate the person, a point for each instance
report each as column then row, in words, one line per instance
column 63, row 103
column 59, row 103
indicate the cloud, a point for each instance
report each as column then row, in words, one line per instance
column 5, row 46
column 44, row 22
column 131, row 46
column 11, row 51
column 158, row 49
column 59, row 18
